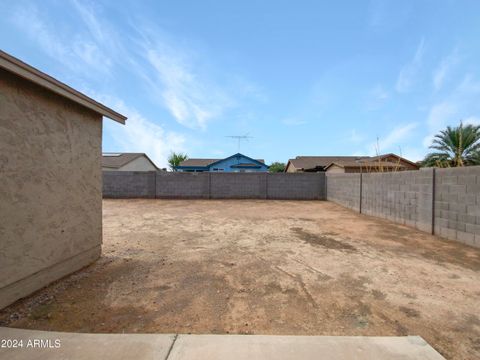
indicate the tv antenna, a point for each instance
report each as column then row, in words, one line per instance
column 240, row 138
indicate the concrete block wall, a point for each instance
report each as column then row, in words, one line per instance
column 128, row 184
column 297, row 186
column 457, row 204
column 344, row 189
column 404, row 197
column 182, row 185
column 445, row 202
column 238, row 185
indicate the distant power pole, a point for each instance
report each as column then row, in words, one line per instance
column 240, row 138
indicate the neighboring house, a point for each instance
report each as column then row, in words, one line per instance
column 315, row 163
column 386, row 162
column 127, row 162
column 234, row 163
column 51, row 175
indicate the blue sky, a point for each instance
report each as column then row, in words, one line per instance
column 300, row 77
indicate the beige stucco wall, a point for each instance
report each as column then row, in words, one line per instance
column 291, row 168
column 139, row 164
column 50, row 187
column 335, row 169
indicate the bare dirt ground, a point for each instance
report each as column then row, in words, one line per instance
column 265, row 267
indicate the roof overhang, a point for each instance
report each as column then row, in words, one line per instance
column 180, row 167
column 28, row 72
column 399, row 158
column 254, row 161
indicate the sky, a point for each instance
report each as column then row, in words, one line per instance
column 299, row 77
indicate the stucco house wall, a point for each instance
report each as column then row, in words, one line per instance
column 51, row 187
column 335, row 169
column 291, row 168
column 50, row 180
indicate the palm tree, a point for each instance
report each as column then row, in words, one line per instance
column 457, row 146
column 175, row 159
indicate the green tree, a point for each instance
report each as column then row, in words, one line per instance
column 455, row 146
column 277, row 167
column 175, row 159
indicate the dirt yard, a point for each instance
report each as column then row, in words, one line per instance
column 265, row 267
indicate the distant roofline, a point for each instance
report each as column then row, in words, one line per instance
column 398, row 156
column 290, row 162
column 260, row 162
column 128, row 162
column 237, row 154
column 19, row 68
column 324, row 156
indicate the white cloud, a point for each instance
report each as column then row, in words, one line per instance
column 27, row 18
column 412, row 154
column 452, row 108
column 189, row 100
column 85, row 53
column 185, row 81
column 191, row 97
column 472, row 120
column 444, row 68
column 393, row 140
column 355, row 137
column 440, row 114
column 170, row 71
column 427, row 140
column 91, row 55
column 79, row 53
column 89, row 17
column 397, row 135
column 407, row 75
column 468, row 86
column 141, row 135
column 377, row 96
column 179, row 75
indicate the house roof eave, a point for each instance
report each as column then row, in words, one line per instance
column 19, row 68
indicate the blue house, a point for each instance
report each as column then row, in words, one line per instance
column 234, row 163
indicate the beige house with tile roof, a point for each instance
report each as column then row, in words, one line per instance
column 385, row 162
